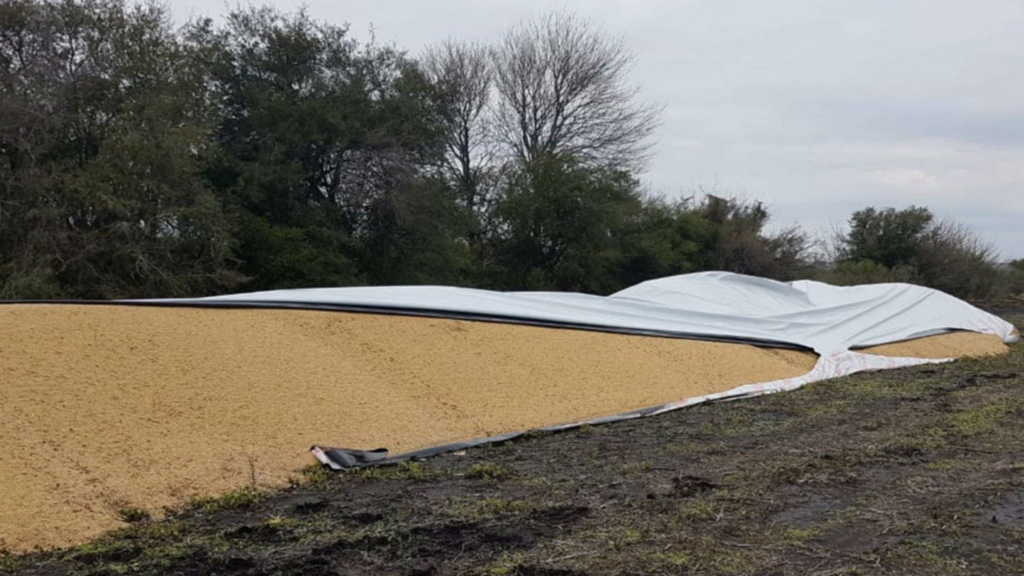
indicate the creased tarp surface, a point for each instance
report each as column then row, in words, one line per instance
column 807, row 314
column 833, row 321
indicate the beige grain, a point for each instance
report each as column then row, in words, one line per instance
column 108, row 407
column 951, row 345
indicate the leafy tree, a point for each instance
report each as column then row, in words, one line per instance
column 910, row 245
column 560, row 225
column 318, row 137
column 664, row 238
column 888, row 237
column 738, row 241
column 102, row 119
column 1013, row 278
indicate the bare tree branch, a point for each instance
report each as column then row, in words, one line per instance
column 561, row 90
column 462, row 74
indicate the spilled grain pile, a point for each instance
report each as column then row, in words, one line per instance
column 952, row 345
column 111, row 407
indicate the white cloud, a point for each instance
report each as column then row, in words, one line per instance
column 903, row 179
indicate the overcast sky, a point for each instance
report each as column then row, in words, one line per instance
column 816, row 107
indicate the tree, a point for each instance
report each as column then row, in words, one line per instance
column 462, row 75
column 1013, row 278
column 318, row 138
column 561, row 92
column 888, row 237
column 910, row 245
column 560, row 226
column 739, row 243
column 102, row 120
column 664, row 239
column 952, row 258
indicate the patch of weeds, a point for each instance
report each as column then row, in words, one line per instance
column 946, row 521
column 495, row 506
column 506, row 565
column 738, row 561
column 683, row 447
column 873, row 425
column 105, row 550
column 536, row 481
column 738, row 424
column 846, row 516
column 162, row 530
column 8, row 562
column 1011, row 467
column 401, row 471
column 902, row 449
column 314, row 475
column 488, row 471
column 280, row 522
column 797, row 536
column 476, row 510
column 133, row 515
column 168, row 556
column 982, row 420
column 625, row 538
column 679, row 560
column 931, row 553
column 700, row 509
column 948, row 464
column 795, row 470
column 687, row 486
column 707, row 428
column 637, row 468
column 927, row 439
column 874, row 389
column 241, row 498
column 586, row 429
column 534, row 434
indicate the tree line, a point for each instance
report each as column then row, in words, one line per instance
column 272, row 150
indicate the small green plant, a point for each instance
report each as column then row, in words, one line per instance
column 400, row 471
column 637, row 468
column 982, row 420
column 624, row 539
column 797, row 536
column 488, row 471
column 317, row 475
column 507, row 565
column 280, row 522
column 679, row 559
column 133, row 515
column 493, row 506
column 241, row 498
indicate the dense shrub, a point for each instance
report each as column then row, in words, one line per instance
column 910, row 245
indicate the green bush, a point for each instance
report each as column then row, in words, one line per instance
column 909, row 245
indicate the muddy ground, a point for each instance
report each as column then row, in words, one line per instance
column 916, row 471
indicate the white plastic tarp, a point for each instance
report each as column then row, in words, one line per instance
column 833, row 321
column 808, row 314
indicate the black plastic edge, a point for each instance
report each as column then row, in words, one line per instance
column 346, row 459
